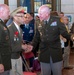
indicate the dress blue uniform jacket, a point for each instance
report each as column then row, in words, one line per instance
column 28, row 32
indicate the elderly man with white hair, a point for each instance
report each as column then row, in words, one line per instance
column 47, row 34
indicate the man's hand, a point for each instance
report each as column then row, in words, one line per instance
column 1, row 68
column 27, row 48
column 62, row 38
column 72, row 37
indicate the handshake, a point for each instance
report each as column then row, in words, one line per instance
column 27, row 48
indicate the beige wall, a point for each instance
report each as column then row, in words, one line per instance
column 67, row 6
column 12, row 4
column 1, row 1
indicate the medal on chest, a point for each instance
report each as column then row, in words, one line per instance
column 16, row 38
column 40, row 29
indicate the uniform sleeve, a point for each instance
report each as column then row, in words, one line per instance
column 36, row 38
column 63, row 31
column 72, row 28
column 0, row 33
column 0, row 59
column 0, row 42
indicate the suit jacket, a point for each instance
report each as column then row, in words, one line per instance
column 48, row 37
column 16, row 41
column 5, row 46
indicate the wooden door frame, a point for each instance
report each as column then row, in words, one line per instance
column 6, row 2
column 18, row 3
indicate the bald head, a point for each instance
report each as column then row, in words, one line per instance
column 44, row 12
column 3, row 5
column 4, row 11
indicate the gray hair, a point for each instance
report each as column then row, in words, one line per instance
column 44, row 8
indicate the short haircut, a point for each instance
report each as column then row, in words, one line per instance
column 44, row 8
column 61, row 12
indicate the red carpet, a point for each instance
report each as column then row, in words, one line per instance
column 29, row 73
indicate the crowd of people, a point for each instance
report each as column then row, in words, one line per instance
column 48, row 34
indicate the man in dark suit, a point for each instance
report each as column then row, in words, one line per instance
column 5, row 46
column 47, row 34
column 16, row 40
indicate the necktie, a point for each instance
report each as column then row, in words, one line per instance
column 45, row 22
column 26, row 26
column 67, row 28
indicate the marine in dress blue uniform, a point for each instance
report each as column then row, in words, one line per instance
column 28, row 32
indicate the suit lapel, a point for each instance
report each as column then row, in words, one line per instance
column 4, row 25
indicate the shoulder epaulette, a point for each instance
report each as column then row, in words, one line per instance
column 9, row 25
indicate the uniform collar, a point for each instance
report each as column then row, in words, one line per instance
column 18, row 28
column 1, row 19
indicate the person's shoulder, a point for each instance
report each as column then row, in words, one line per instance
column 55, row 17
column 10, row 26
column 37, row 20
